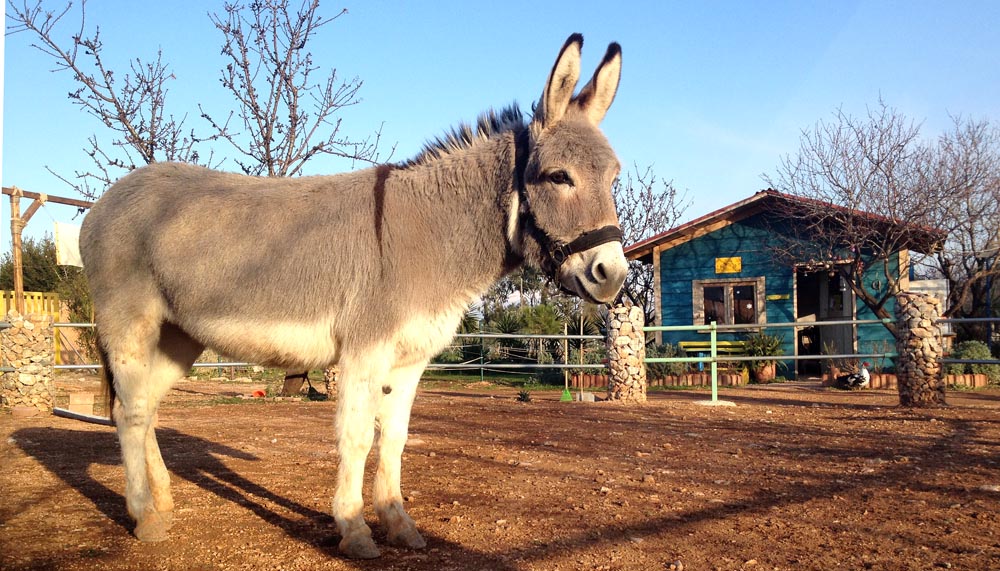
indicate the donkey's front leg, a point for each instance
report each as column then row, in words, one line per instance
column 393, row 420
column 357, row 394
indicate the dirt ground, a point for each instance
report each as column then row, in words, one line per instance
column 793, row 477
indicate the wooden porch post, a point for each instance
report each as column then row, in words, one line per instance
column 657, row 295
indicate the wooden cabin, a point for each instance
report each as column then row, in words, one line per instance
column 731, row 266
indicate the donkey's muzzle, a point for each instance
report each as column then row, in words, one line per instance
column 595, row 274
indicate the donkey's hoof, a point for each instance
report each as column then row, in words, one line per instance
column 168, row 518
column 359, row 547
column 407, row 537
column 153, row 527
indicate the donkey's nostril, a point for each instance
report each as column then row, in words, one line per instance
column 600, row 273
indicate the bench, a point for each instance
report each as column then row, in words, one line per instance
column 722, row 348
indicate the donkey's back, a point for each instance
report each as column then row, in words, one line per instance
column 238, row 263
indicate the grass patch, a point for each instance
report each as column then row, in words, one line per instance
column 664, row 388
column 499, row 379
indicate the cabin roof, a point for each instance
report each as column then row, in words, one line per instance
column 923, row 240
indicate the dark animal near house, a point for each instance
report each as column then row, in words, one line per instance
column 852, row 381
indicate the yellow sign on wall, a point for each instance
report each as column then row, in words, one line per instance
column 728, row 265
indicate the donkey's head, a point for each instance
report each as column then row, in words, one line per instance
column 566, row 211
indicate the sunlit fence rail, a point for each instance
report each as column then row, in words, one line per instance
column 476, row 344
column 712, row 357
column 481, row 363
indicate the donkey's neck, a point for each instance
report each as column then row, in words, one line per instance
column 463, row 202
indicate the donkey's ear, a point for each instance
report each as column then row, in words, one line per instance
column 597, row 95
column 562, row 81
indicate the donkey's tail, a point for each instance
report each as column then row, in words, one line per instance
column 108, row 394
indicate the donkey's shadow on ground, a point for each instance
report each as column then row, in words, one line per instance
column 71, row 454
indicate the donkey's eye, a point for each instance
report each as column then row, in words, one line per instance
column 560, row 177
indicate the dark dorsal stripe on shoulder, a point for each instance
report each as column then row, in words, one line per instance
column 381, row 174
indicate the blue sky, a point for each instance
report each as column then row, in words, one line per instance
column 712, row 95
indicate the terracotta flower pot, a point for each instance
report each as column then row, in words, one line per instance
column 764, row 373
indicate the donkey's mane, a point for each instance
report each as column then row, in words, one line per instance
column 464, row 135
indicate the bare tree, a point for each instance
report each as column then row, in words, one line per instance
column 646, row 206
column 131, row 105
column 875, row 187
column 287, row 118
column 868, row 195
column 269, row 74
column 966, row 165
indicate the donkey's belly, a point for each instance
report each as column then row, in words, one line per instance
column 278, row 344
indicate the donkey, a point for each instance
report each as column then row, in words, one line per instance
column 370, row 270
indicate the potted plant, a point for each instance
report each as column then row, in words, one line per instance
column 831, row 367
column 760, row 344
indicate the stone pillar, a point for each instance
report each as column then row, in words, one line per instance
column 27, row 347
column 626, row 352
column 920, row 381
column 330, row 379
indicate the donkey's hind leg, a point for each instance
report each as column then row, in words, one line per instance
column 174, row 355
column 143, row 373
column 393, row 422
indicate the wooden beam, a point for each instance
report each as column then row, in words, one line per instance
column 32, row 209
column 10, row 191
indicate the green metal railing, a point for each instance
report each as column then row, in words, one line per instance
column 713, row 358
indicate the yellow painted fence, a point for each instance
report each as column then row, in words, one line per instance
column 47, row 303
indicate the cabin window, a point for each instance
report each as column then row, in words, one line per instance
column 715, row 304
column 728, row 302
column 744, row 304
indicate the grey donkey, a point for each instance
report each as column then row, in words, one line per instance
column 370, row 270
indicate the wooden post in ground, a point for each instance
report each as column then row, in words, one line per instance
column 17, row 224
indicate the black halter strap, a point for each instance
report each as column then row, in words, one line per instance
column 556, row 250
column 584, row 242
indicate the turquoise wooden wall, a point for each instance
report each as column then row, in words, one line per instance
column 876, row 338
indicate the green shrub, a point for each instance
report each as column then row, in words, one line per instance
column 452, row 354
column 591, row 356
column 666, row 351
column 974, row 350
